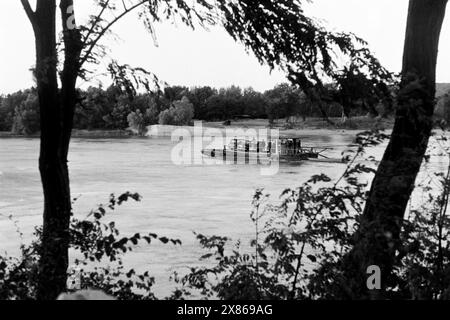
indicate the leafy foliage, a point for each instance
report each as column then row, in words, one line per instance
column 26, row 116
column 303, row 48
column 19, row 112
column 283, row 101
column 99, row 249
column 294, row 42
column 139, row 121
column 112, row 108
column 422, row 271
column 180, row 113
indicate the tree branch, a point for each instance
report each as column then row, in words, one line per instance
column 28, row 10
column 72, row 51
column 102, row 33
column 97, row 19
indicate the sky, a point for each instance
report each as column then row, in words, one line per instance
column 211, row 57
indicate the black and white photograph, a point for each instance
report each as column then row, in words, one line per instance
column 223, row 155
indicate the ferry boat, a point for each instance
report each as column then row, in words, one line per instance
column 283, row 149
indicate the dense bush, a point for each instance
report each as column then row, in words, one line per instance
column 139, row 121
column 180, row 113
column 12, row 102
column 26, row 116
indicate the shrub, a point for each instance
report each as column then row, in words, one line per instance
column 179, row 114
column 26, row 116
column 139, row 121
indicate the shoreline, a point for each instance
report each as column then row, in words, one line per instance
column 311, row 126
column 87, row 134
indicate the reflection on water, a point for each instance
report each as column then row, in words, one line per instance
column 177, row 200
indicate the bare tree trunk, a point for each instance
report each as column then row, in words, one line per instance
column 56, row 112
column 379, row 236
column 52, row 162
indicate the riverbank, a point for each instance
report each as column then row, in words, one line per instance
column 87, row 134
column 308, row 127
column 311, row 126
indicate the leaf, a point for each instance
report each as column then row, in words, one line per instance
column 148, row 239
column 206, row 256
column 164, row 240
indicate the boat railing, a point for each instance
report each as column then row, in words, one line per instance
column 277, row 147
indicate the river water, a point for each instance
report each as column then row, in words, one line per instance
column 177, row 200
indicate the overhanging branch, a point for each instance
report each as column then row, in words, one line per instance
column 103, row 32
column 97, row 19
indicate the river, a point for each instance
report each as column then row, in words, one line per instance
column 177, row 200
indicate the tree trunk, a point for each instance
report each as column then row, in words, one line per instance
column 378, row 238
column 56, row 113
column 72, row 49
column 52, row 161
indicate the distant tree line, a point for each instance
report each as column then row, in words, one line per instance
column 111, row 109
column 19, row 112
